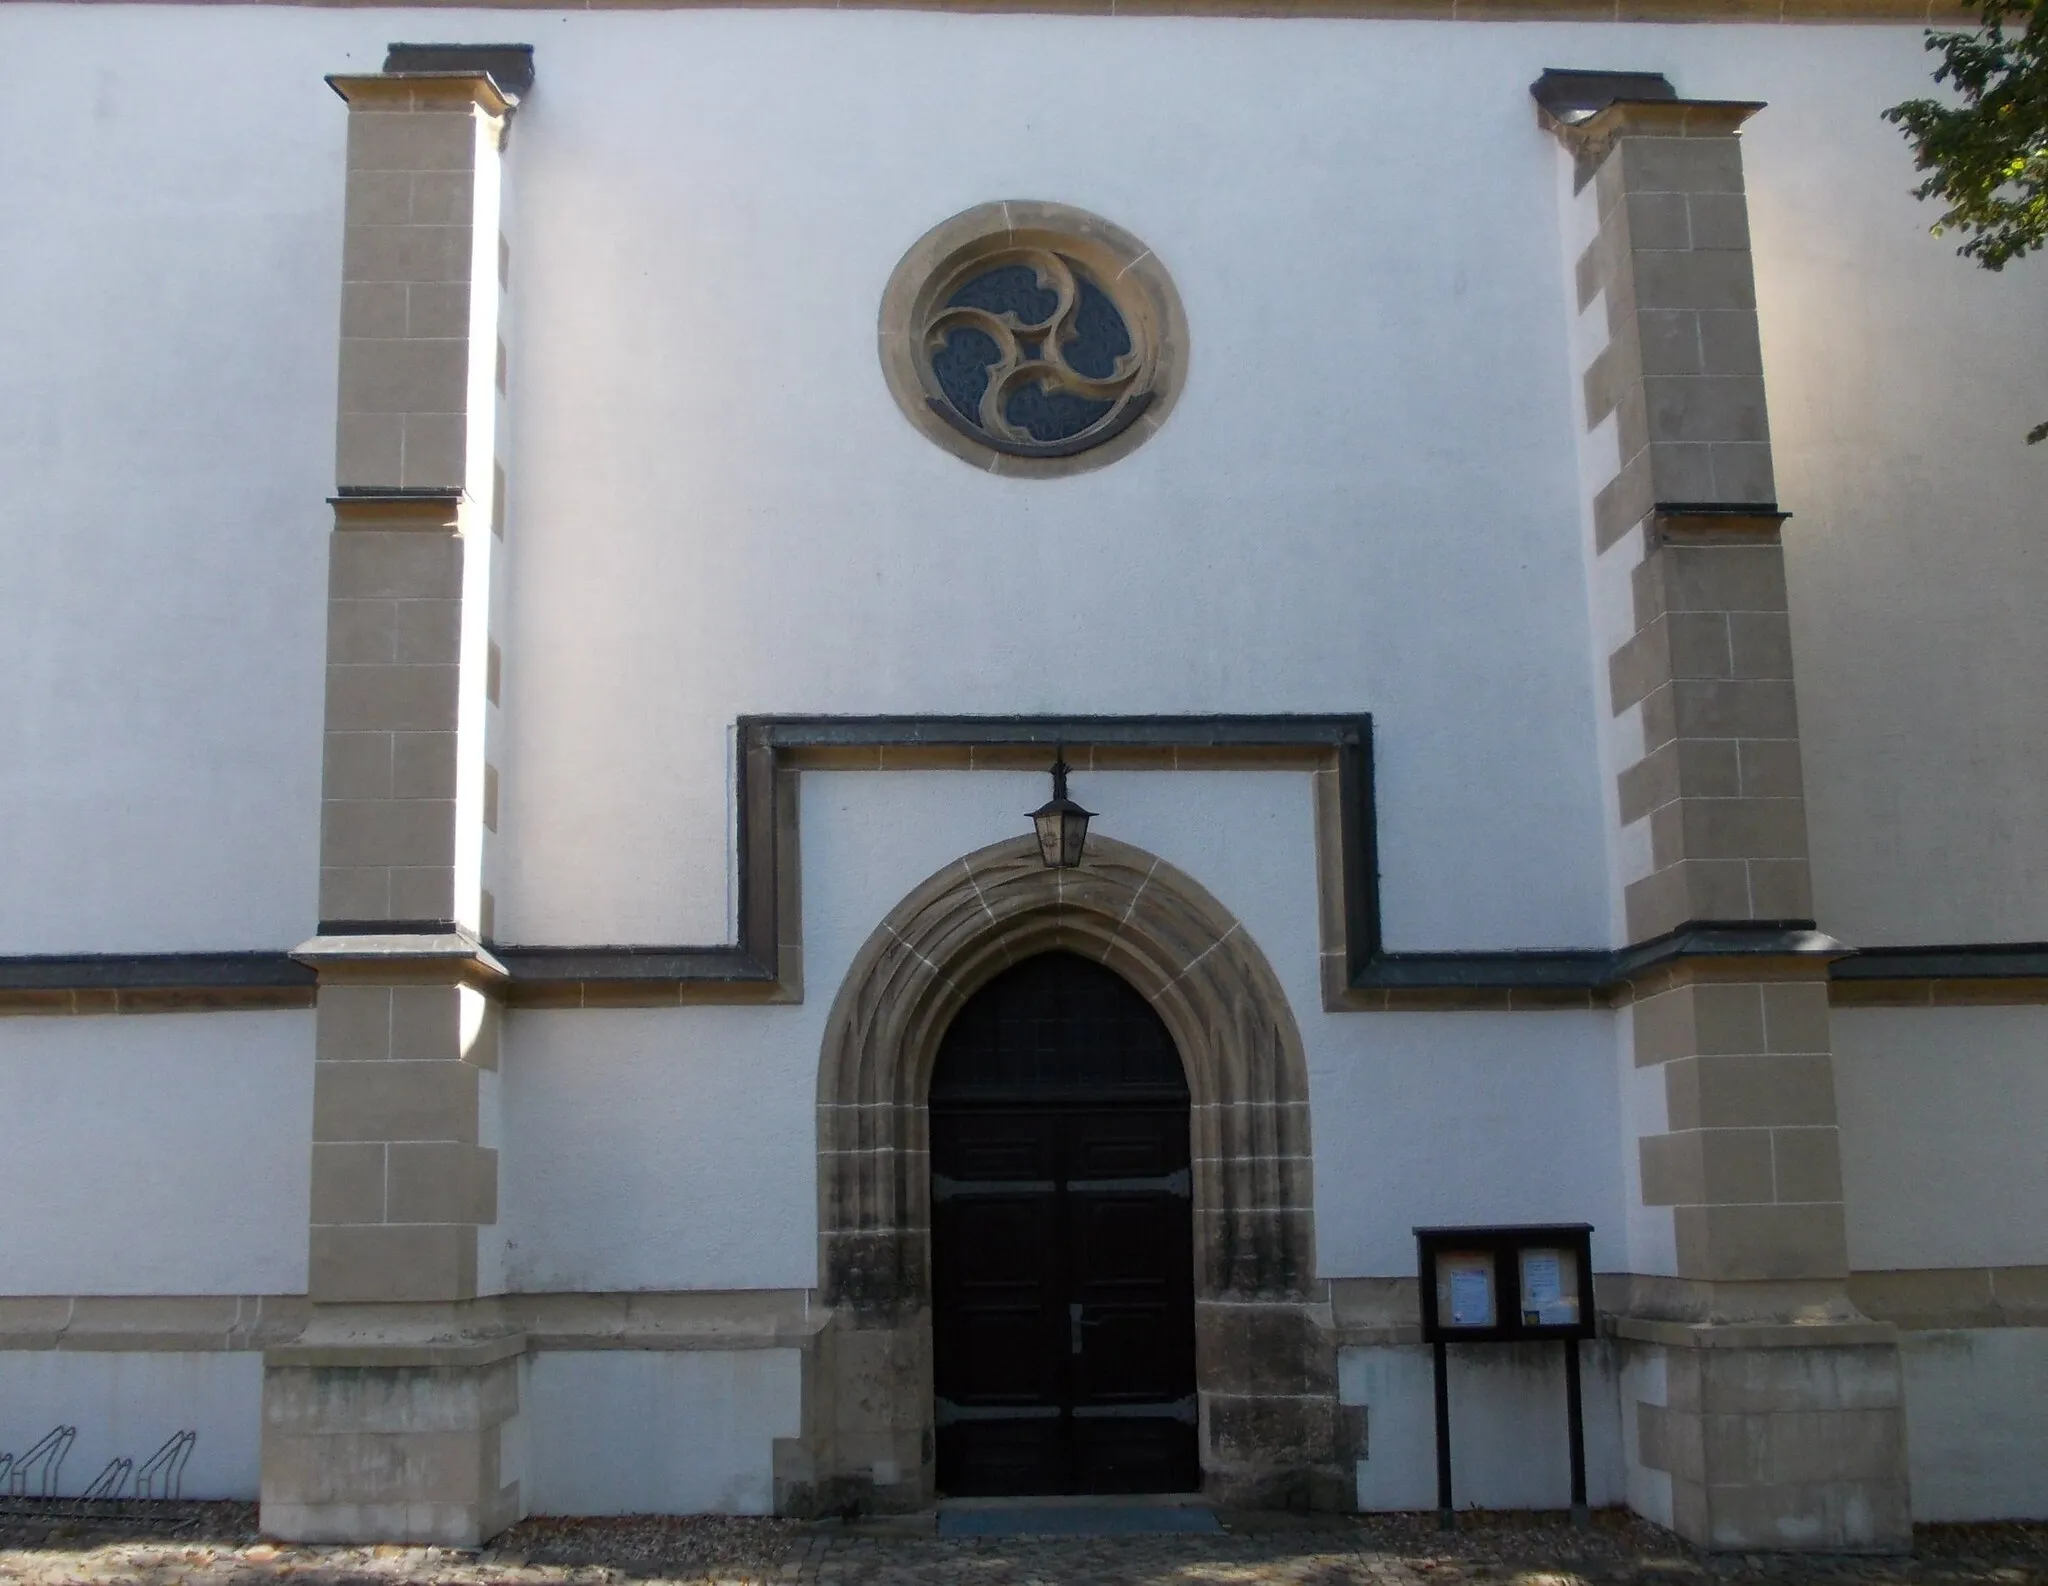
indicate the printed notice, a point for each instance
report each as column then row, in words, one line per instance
column 1546, row 1299
column 1471, row 1296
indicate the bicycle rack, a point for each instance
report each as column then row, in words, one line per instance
column 109, row 1482
column 46, row 1459
column 162, row 1475
column 29, row 1481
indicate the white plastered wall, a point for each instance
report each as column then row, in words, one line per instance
column 1375, row 515
column 1644, row 1379
column 1942, row 1113
column 1368, row 518
column 169, row 301
column 721, row 512
column 1509, row 1442
column 1380, row 516
column 1942, row 1166
column 1899, row 393
column 155, row 1154
column 1902, row 380
column 127, row 1406
column 1976, row 1444
column 676, row 1149
column 656, row 1431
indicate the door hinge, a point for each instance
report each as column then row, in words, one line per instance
column 945, row 1189
column 1176, row 1184
column 1182, row 1410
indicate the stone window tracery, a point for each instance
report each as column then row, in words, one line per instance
column 1032, row 338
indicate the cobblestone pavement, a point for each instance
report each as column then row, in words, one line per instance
column 217, row 1545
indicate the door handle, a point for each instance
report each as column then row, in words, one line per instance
column 1075, row 1324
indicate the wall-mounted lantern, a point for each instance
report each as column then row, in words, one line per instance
column 1062, row 824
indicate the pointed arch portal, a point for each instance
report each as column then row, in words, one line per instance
column 1269, row 1431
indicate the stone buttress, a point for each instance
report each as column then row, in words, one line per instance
column 1761, row 1410
column 394, row 1416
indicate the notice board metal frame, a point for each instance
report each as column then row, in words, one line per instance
column 1477, row 1275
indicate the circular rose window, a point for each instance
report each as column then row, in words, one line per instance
column 1032, row 338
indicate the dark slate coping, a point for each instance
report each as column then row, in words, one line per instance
column 391, row 928
column 1959, row 961
column 153, row 971
column 1157, row 732
column 396, row 493
column 1571, row 93
column 1727, row 939
column 1566, row 969
column 1589, row 969
column 1593, row 969
column 510, row 66
column 764, row 739
column 756, row 958
column 695, row 965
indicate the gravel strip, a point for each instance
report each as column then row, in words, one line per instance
column 201, row 1544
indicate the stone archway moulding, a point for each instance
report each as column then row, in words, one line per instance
column 1271, row 1429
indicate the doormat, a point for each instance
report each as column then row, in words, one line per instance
column 1122, row 1520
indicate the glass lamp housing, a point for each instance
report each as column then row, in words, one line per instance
column 1062, row 824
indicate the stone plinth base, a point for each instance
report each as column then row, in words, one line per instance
column 1273, row 1435
column 398, row 1445
column 868, row 1442
column 1765, row 1438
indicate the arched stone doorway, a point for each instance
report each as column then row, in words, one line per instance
column 1270, row 1431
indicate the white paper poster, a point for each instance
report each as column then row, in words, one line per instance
column 1549, row 1291
column 1471, row 1297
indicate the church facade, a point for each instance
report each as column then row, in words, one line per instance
column 554, row 552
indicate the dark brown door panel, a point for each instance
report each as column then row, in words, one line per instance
column 997, row 1459
column 1119, row 1143
column 1134, row 1455
column 1062, row 1241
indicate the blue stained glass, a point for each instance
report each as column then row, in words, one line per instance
column 1102, row 337
column 1052, row 415
column 1009, row 289
column 962, row 367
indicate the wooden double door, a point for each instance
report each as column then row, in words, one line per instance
column 1062, row 1241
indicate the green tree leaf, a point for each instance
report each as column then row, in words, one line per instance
column 1986, row 152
